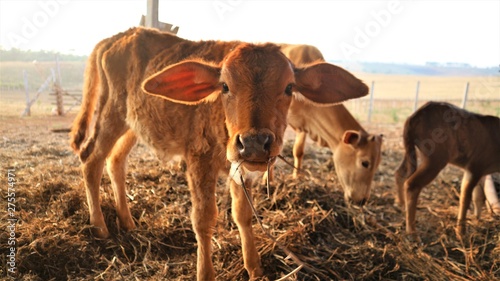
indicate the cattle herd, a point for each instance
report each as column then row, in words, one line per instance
column 227, row 104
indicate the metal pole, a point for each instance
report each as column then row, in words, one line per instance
column 371, row 102
column 152, row 14
column 466, row 92
column 415, row 106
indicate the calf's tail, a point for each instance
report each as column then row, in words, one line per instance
column 409, row 164
column 82, row 121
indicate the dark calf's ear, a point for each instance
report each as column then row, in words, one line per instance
column 325, row 83
column 188, row 82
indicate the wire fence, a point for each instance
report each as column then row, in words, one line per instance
column 393, row 100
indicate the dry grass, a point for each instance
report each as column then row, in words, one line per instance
column 308, row 216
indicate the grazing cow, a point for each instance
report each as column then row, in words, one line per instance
column 212, row 102
column 444, row 134
column 356, row 153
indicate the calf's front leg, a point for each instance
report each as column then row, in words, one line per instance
column 242, row 214
column 469, row 181
column 202, row 177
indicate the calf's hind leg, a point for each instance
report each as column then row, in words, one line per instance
column 96, row 150
column 117, row 169
column 478, row 199
column 424, row 174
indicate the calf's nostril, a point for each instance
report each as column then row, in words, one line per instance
column 266, row 141
column 262, row 138
column 239, row 144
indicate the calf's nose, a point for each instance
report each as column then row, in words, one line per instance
column 255, row 146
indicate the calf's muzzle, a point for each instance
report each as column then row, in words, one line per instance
column 255, row 146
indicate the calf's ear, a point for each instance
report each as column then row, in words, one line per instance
column 351, row 137
column 188, row 82
column 325, row 83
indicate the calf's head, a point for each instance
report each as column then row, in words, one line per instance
column 356, row 159
column 255, row 85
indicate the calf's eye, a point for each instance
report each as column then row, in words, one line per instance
column 225, row 88
column 289, row 89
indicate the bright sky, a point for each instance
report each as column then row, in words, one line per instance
column 411, row 32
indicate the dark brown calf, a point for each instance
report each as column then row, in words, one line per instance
column 214, row 103
column 444, row 134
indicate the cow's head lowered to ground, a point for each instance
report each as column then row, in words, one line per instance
column 255, row 96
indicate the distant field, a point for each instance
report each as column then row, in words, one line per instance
column 394, row 95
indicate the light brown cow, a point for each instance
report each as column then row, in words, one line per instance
column 212, row 102
column 444, row 134
column 356, row 153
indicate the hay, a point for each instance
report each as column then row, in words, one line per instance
column 307, row 215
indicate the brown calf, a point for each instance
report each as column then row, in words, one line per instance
column 356, row 153
column 444, row 134
column 212, row 102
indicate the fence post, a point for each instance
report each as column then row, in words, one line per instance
column 59, row 94
column 27, row 110
column 370, row 108
column 415, row 106
column 58, row 68
column 466, row 92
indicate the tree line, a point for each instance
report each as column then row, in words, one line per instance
column 29, row 55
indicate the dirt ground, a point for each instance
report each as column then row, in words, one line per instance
column 308, row 216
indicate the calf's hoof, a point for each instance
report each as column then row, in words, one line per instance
column 413, row 237
column 100, row 232
column 125, row 224
column 460, row 229
column 256, row 273
column 495, row 208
